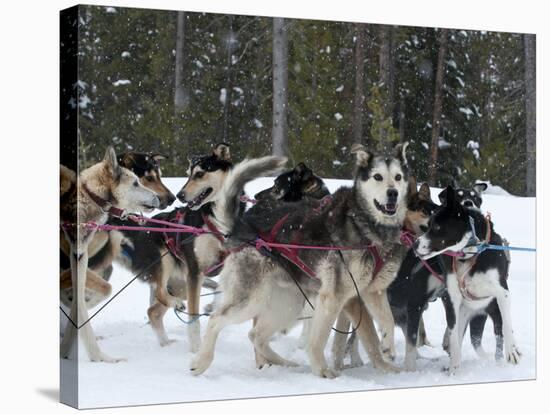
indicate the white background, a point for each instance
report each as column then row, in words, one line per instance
column 29, row 202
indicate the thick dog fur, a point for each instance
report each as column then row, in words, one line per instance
column 262, row 287
column 419, row 209
column 177, row 278
column 105, row 246
column 121, row 187
column 484, row 279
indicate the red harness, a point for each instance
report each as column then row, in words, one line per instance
column 290, row 251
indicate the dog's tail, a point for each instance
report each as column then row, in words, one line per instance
column 227, row 205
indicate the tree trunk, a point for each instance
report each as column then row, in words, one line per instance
column 228, row 84
column 530, row 114
column 438, row 105
column 385, row 61
column 402, row 119
column 180, row 100
column 359, row 96
column 280, row 85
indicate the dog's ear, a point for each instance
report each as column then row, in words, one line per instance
column 424, row 192
column 449, row 197
column 303, row 172
column 412, row 187
column 400, row 152
column 480, row 187
column 112, row 162
column 221, row 151
column 362, row 155
column 127, row 160
column 442, row 196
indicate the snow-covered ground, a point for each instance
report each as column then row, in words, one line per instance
column 153, row 374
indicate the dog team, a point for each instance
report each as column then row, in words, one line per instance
column 355, row 263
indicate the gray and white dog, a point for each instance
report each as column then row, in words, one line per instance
column 261, row 286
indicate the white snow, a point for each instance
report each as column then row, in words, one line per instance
column 122, row 82
column 338, row 116
column 125, row 54
column 257, row 123
column 466, row 111
column 153, row 374
column 110, row 10
column 443, row 144
column 223, row 95
column 340, row 88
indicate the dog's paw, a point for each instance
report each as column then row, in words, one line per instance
column 452, row 370
column 387, row 367
column 200, row 363
column 513, row 355
column 102, row 357
column 166, row 342
column 388, row 354
column 328, row 373
column 179, row 305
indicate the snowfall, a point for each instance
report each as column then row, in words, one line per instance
column 153, row 374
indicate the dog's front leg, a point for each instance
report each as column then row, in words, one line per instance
column 379, row 307
column 452, row 301
column 325, row 313
column 339, row 341
column 513, row 354
column 70, row 331
column 86, row 332
column 364, row 325
column 194, row 283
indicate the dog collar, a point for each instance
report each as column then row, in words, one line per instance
column 105, row 205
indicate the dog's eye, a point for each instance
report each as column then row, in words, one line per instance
column 378, row 177
column 398, row 177
column 136, row 184
column 150, row 178
column 199, row 174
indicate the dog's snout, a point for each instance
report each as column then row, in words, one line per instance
column 423, row 228
column 156, row 202
column 392, row 194
column 170, row 199
column 181, row 196
column 468, row 203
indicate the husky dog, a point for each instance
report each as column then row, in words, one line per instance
column 176, row 266
column 261, row 285
column 472, row 282
column 294, row 185
column 471, row 198
column 468, row 197
column 104, row 245
column 103, row 189
column 419, row 209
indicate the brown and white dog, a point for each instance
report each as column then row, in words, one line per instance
column 102, row 189
column 105, row 246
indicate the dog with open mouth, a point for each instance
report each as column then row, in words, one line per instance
column 104, row 189
column 262, row 285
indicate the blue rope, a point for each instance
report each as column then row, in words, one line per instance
column 485, row 246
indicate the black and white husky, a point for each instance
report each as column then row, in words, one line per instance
column 473, row 281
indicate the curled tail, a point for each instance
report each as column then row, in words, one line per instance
column 226, row 207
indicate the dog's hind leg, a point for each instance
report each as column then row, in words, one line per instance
column 366, row 331
column 227, row 314
column 379, row 307
column 494, row 313
column 156, row 314
column 264, row 328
